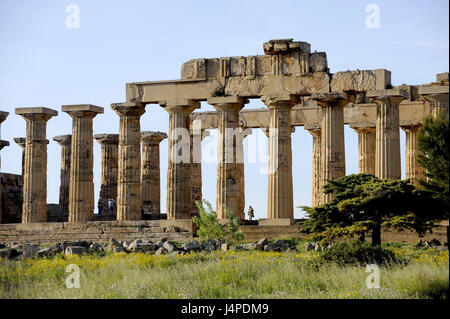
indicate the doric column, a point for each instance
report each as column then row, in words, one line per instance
column 314, row 130
column 437, row 96
column 332, row 138
column 65, row 141
column 151, row 177
column 129, row 198
column 21, row 141
column 228, row 172
column 178, row 172
column 110, row 163
column 241, row 174
column 413, row 170
column 366, row 147
column 280, row 194
column 81, row 188
column 34, row 209
column 387, row 154
column 196, row 167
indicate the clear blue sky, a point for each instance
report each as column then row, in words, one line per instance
column 44, row 63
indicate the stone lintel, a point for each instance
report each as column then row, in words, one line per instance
column 438, row 89
column 35, row 110
column 63, row 139
column 107, row 138
column 233, row 99
column 148, row 136
column 82, row 108
column 387, row 93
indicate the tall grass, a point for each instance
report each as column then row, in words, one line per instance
column 223, row 275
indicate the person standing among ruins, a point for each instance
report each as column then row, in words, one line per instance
column 111, row 203
column 250, row 213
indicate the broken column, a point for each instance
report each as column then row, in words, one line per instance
column 228, row 172
column 332, row 138
column 413, row 170
column 21, row 141
column 314, row 130
column 129, row 198
column 437, row 96
column 81, row 189
column 151, row 177
column 179, row 163
column 280, row 194
column 387, row 158
column 65, row 141
column 110, row 162
column 34, row 209
column 366, row 147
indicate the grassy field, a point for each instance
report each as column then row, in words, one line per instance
column 242, row 274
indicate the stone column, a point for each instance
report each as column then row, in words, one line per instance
column 34, row 209
column 387, row 162
column 241, row 175
column 110, row 163
column 437, row 96
column 280, row 194
column 228, row 170
column 178, row 172
column 196, row 168
column 129, row 198
column 332, row 138
column 65, row 141
column 366, row 147
column 413, row 170
column 21, row 141
column 314, row 130
column 81, row 189
column 151, row 177
column 2, row 145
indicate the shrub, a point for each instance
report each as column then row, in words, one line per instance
column 357, row 253
column 210, row 228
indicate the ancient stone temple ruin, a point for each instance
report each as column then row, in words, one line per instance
column 298, row 89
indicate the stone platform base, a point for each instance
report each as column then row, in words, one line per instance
column 50, row 233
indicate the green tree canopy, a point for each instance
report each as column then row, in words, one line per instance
column 362, row 203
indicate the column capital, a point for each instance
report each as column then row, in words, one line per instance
column 36, row 113
column 20, row 141
column 280, row 101
column 129, row 108
column 411, row 128
column 183, row 106
column 3, row 144
column 331, row 99
column 363, row 126
column 153, row 138
column 434, row 94
column 82, row 110
column 227, row 103
column 107, row 139
column 3, row 116
column 312, row 127
column 63, row 140
column 391, row 95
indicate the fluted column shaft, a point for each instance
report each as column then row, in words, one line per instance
column 34, row 209
column 129, row 197
column 332, row 139
column 316, row 193
column 366, row 150
column 109, row 168
column 21, row 141
column 178, row 203
column 280, row 193
column 65, row 141
column 413, row 170
column 151, row 176
column 196, row 167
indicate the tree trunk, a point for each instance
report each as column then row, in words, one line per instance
column 376, row 235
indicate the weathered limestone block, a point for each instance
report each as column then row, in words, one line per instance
column 65, row 141
column 280, row 193
column 318, row 62
column 178, row 173
column 34, row 208
column 332, row 138
column 129, row 198
column 81, row 188
column 11, row 198
column 151, row 176
column 413, row 170
column 110, row 163
column 387, row 163
column 366, row 147
column 360, row 80
column 442, row 78
column 229, row 153
column 315, row 131
column 21, row 141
